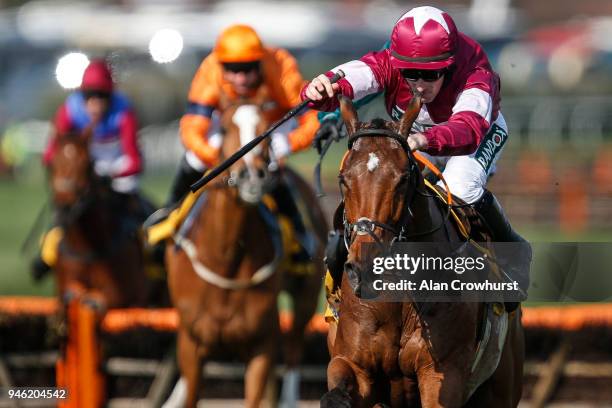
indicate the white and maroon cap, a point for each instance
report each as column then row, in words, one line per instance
column 423, row 38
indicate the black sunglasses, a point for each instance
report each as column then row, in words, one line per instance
column 426, row 75
column 96, row 94
column 241, row 66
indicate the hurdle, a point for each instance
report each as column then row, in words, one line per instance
column 81, row 369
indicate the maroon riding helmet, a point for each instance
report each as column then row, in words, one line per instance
column 97, row 77
column 423, row 38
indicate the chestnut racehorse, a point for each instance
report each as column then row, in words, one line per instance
column 404, row 353
column 223, row 273
column 100, row 249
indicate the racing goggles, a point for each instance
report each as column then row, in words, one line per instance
column 88, row 94
column 237, row 67
column 426, row 75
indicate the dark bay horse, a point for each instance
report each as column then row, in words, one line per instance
column 224, row 272
column 405, row 353
column 100, row 249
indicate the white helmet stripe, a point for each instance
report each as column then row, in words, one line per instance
column 421, row 15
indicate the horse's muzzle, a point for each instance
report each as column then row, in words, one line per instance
column 253, row 185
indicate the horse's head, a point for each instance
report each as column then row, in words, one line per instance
column 70, row 170
column 242, row 121
column 378, row 179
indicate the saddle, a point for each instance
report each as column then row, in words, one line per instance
column 469, row 223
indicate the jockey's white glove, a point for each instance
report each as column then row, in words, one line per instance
column 280, row 145
column 103, row 168
column 321, row 88
column 107, row 168
column 417, row 141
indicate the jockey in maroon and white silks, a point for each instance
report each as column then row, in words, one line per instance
column 113, row 146
column 460, row 120
column 464, row 111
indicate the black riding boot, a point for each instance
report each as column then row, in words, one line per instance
column 183, row 179
column 140, row 207
column 335, row 255
column 286, row 206
column 516, row 264
column 133, row 207
column 39, row 268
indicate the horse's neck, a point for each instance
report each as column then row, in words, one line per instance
column 429, row 216
column 96, row 228
column 423, row 211
column 224, row 228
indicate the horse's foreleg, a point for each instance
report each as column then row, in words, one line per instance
column 190, row 364
column 256, row 376
column 440, row 389
column 304, row 292
column 332, row 329
column 342, row 384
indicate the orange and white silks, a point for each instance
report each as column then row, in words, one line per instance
column 281, row 76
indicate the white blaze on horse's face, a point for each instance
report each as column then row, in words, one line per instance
column 246, row 118
column 250, row 188
column 373, row 162
column 70, row 151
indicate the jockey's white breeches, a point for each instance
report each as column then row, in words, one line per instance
column 109, row 160
column 467, row 175
column 126, row 185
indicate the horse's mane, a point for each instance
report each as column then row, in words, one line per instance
column 71, row 137
column 377, row 123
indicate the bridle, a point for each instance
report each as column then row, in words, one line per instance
column 68, row 216
column 250, row 181
column 85, row 198
column 367, row 226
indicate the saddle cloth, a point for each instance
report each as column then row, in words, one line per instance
column 180, row 221
column 166, row 228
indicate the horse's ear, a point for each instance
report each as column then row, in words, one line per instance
column 349, row 114
column 411, row 113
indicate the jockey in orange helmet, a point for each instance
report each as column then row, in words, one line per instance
column 238, row 65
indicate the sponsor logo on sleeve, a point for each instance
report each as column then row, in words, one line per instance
column 490, row 146
column 396, row 113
